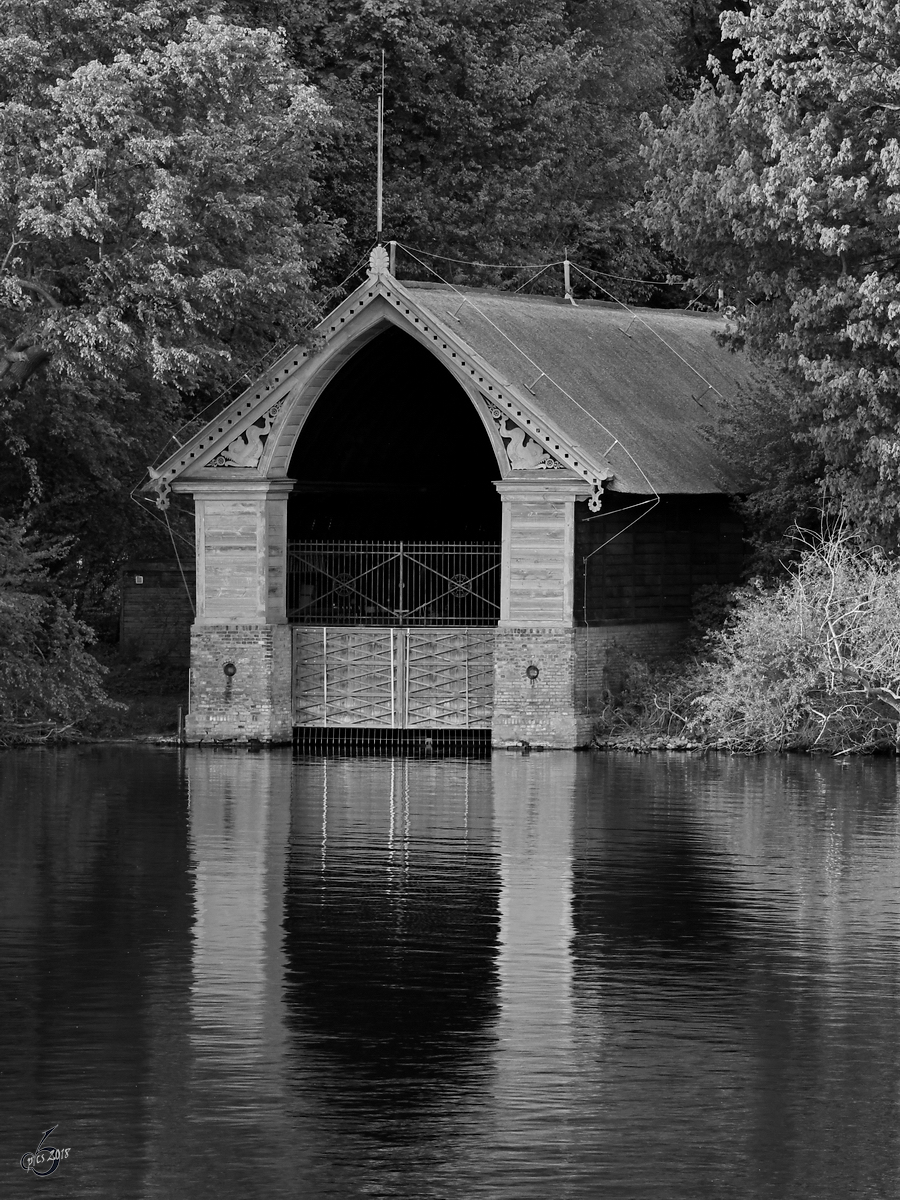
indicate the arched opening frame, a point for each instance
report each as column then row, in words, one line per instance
column 349, row 341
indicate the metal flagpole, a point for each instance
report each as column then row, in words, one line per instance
column 378, row 211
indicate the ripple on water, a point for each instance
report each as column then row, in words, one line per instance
column 521, row 977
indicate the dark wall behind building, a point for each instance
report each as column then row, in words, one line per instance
column 156, row 614
column 637, row 564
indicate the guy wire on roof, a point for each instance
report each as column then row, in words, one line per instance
column 466, row 298
column 646, row 505
column 466, row 262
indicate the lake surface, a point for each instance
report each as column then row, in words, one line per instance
column 560, row 975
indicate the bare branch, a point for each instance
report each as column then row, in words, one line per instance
column 13, row 246
column 32, row 285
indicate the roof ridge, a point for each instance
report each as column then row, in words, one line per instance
column 559, row 301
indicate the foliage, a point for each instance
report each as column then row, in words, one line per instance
column 48, row 677
column 159, row 231
column 701, row 37
column 649, row 703
column 147, row 690
column 782, row 467
column 511, row 128
column 813, row 661
column 784, row 188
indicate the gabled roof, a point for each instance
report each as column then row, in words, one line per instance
column 620, row 397
column 604, row 373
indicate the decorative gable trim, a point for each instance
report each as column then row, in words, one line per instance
column 523, row 453
column 473, row 372
column 253, row 437
column 265, row 398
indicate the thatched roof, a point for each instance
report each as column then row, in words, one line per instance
column 639, row 376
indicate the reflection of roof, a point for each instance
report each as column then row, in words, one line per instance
column 630, row 370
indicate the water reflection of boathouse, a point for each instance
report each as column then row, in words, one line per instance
column 447, row 511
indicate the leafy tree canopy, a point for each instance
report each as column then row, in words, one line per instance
column 783, row 187
column 511, row 126
column 159, row 230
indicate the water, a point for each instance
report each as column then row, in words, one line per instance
column 239, row 975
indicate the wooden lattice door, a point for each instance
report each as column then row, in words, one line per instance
column 449, row 680
column 381, row 678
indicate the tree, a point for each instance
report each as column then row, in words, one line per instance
column 48, row 679
column 782, row 468
column 511, row 127
column 783, row 188
column 160, row 230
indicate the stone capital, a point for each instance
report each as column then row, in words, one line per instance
column 235, row 489
column 529, row 486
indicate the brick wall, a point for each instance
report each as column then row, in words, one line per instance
column 255, row 703
column 542, row 713
column 602, row 652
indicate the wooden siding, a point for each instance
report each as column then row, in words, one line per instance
column 156, row 614
column 651, row 571
column 538, row 560
column 276, row 565
column 229, row 537
column 241, row 533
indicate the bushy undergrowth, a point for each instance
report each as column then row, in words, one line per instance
column 49, row 680
column 810, row 663
column 148, row 691
column 650, row 702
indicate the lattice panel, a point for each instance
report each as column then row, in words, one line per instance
column 345, row 677
column 449, row 678
column 423, row 678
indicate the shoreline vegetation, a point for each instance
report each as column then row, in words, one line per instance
column 810, row 662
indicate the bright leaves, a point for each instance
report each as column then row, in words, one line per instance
column 159, row 230
column 158, row 205
column 783, row 189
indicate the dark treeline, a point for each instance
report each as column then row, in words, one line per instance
column 512, row 129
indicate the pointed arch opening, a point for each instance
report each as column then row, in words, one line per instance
column 394, row 449
column 395, row 519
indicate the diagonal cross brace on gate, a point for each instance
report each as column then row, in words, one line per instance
column 390, row 678
column 393, row 583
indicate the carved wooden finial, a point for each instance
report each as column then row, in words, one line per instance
column 379, row 262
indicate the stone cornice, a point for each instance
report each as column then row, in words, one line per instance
column 248, row 488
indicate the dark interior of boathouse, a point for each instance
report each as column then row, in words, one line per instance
column 394, row 450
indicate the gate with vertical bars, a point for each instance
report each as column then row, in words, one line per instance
column 393, row 583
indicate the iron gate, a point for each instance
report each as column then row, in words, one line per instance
column 393, row 583
column 388, row 678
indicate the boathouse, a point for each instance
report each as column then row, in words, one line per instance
column 451, row 510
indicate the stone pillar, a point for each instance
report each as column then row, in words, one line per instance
column 537, row 628
column 241, row 621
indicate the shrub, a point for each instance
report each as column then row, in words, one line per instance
column 648, row 701
column 48, row 678
column 813, row 661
